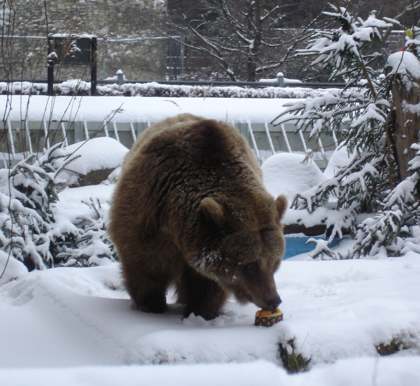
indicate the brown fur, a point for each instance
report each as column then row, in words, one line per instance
column 190, row 209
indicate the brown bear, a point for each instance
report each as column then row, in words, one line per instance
column 190, row 209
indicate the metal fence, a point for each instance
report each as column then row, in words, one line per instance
column 20, row 138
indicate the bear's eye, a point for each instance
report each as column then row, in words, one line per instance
column 250, row 268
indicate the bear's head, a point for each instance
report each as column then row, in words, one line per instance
column 242, row 245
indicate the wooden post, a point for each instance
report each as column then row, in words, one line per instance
column 93, row 65
column 407, row 121
column 50, row 68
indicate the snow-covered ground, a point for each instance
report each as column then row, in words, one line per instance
column 56, row 322
column 75, row 326
column 358, row 372
column 335, row 311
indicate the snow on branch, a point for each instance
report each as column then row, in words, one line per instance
column 399, row 217
column 29, row 230
column 405, row 64
column 365, row 118
column 321, row 249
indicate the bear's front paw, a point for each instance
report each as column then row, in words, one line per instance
column 154, row 304
column 205, row 314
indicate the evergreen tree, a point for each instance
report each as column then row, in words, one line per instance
column 89, row 244
column 29, row 230
column 27, row 192
column 363, row 116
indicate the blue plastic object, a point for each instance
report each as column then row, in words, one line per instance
column 296, row 244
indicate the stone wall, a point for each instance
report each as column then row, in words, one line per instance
column 140, row 59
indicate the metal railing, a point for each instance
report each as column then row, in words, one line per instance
column 24, row 137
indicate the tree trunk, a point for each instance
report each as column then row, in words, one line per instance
column 407, row 122
column 255, row 29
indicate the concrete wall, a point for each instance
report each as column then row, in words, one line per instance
column 144, row 59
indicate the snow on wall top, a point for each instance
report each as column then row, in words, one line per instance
column 142, row 109
column 155, row 89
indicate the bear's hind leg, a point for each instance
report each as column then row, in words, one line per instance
column 201, row 296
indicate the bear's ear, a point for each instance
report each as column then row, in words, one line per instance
column 281, row 205
column 211, row 210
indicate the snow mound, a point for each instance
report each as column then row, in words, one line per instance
column 290, row 173
column 95, row 154
column 14, row 268
column 103, row 153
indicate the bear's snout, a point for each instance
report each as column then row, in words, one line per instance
column 264, row 294
column 273, row 303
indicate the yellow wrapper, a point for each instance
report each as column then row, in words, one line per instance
column 268, row 318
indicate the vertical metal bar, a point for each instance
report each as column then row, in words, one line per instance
column 254, row 142
column 133, row 132
column 321, row 147
column 47, row 137
column 334, row 138
column 303, row 141
column 114, row 125
column 11, row 141
column 85, row 128
column 286, row 140
column 106, row 129
column 64, row 131
column 270, row 140
column 28, row 135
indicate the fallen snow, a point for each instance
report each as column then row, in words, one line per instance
column 290, row 173
column 337, row 311
column 350, row 372
column 404, row 63
column 334, row 309
column 96, row 154
column 139, row 109
column 155, row 89
column 70, row 203
column 75, row 326
column 15, row 269
column 411, row 108
column 338, row 159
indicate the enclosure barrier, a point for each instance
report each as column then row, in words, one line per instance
column 20, row 138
